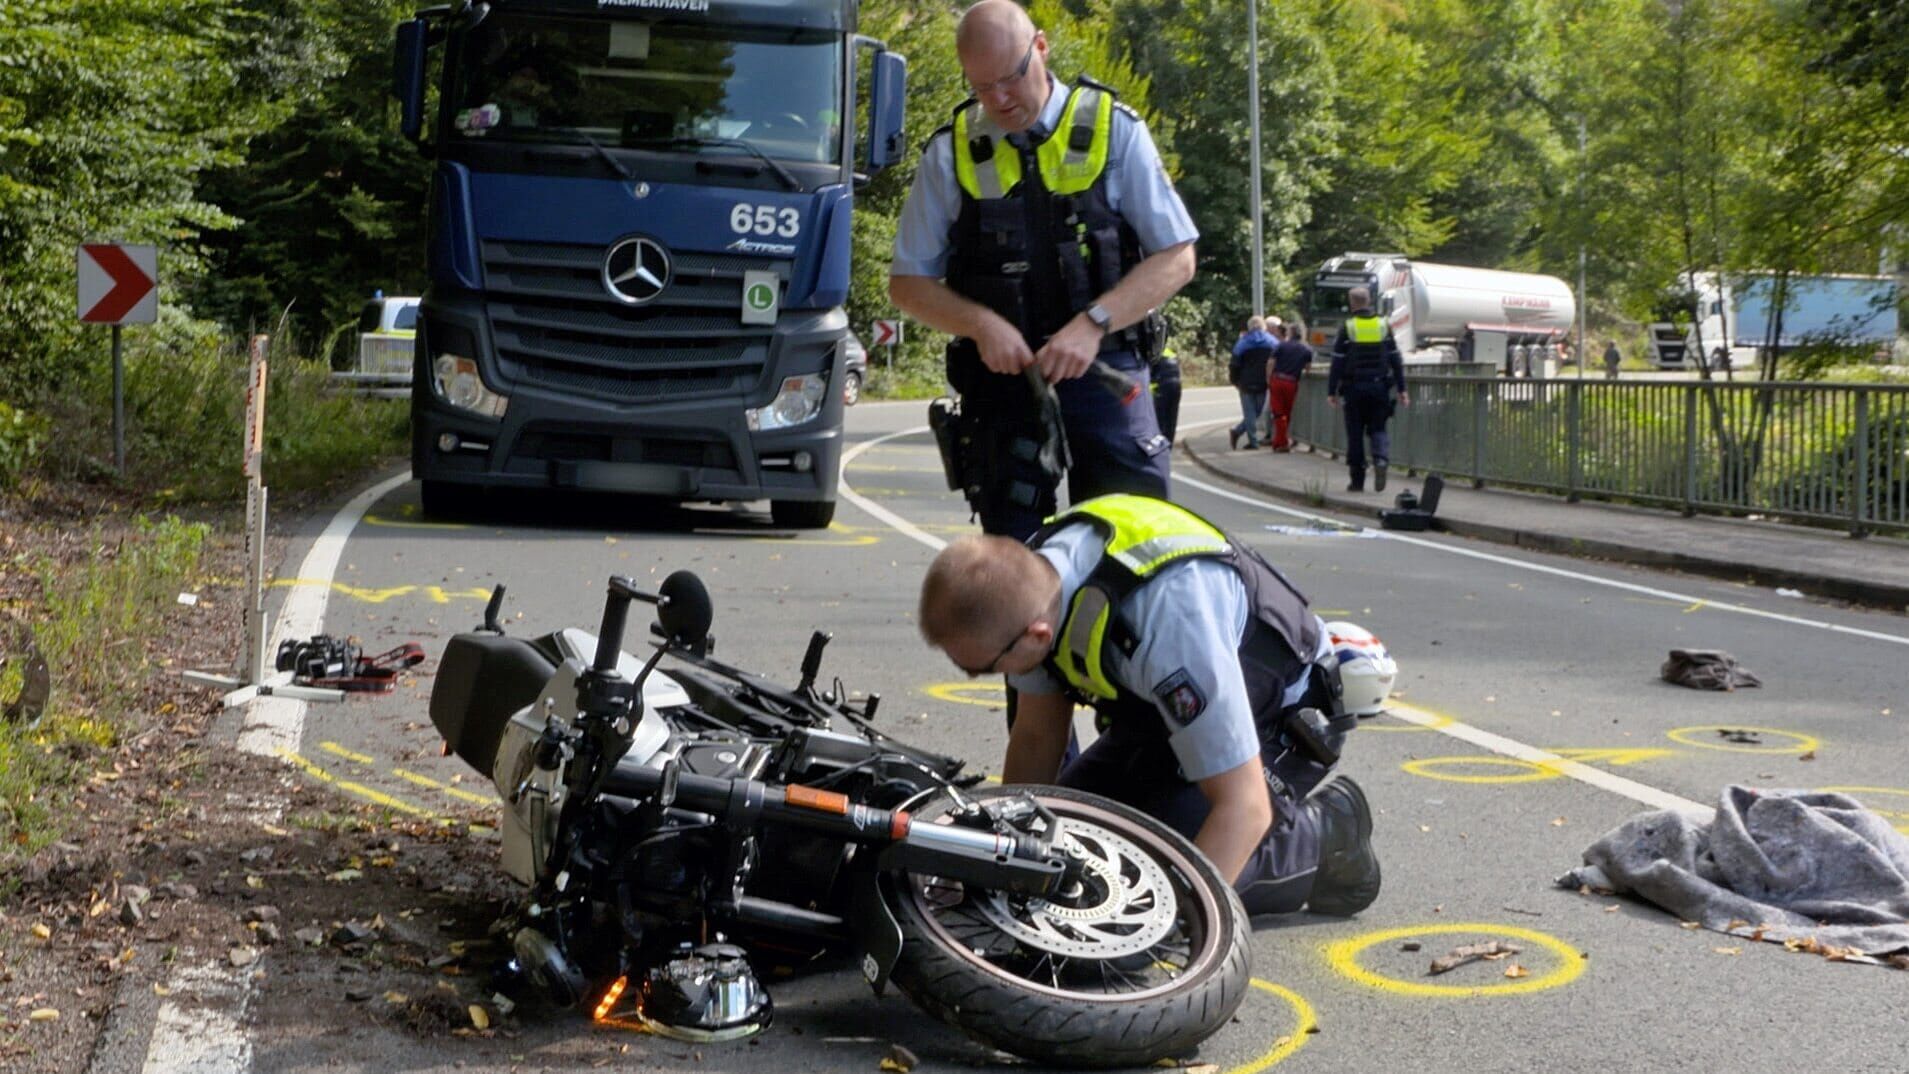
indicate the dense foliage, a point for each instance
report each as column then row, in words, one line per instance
column 255, row 142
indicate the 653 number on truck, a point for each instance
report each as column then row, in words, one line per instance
column 639, row 245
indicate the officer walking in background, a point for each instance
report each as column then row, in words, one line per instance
column 1366, row 368
column 1040, row 230
column 1223, row 705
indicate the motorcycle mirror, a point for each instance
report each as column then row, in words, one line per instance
column 812, row 660
column 685, row 611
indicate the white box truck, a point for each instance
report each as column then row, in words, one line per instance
column 1738, row 315
column 1449, row 313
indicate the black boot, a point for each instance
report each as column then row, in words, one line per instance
column 1348, row 877
column 1358, row 482
column 1378, row 476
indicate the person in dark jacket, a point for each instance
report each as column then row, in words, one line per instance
column 1366, row 368
column 1247, row 373
column 1290, row 360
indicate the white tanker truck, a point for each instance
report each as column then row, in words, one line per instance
column 1513, row 321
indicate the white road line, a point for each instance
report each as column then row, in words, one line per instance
column 1561, row 572
column 200, row 1028
column 272, row 724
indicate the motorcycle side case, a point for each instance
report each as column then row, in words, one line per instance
column 482, row 680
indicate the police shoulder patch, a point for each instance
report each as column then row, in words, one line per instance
column 1180, row 696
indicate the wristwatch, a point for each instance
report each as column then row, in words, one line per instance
column 1099, row 315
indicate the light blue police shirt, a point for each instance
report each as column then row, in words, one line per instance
column 1191, row 618
column 1137, row 188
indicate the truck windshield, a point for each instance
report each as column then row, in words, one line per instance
column 630, row 83
column 1330, row 301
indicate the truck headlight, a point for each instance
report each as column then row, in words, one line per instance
column 459, row 384
column 799, row 400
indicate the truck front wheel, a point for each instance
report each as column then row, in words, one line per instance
column 802, row 514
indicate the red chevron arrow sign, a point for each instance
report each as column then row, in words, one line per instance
column 118, row 283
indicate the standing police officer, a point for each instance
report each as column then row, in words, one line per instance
column 1366, row 367
column 1040, row 231
column 1214, row 681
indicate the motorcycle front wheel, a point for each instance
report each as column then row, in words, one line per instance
column 1145, row 959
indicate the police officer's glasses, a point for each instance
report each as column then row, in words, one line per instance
column 998, row 657
column 1013, row 80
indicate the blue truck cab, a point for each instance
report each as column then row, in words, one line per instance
column 639, row 245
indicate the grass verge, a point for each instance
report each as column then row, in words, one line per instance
column 91, row 614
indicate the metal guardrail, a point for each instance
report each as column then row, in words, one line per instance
column 1818, row 453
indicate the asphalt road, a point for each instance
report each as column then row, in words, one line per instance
column 1470, row 840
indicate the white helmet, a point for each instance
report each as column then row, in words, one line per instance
column 1366, row 670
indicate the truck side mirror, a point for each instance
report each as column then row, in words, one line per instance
column 888, row 82
column 407, row 81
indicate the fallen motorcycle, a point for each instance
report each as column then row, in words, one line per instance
column 673, row 824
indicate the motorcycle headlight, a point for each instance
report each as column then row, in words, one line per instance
column 799, row 399
column 459, row 384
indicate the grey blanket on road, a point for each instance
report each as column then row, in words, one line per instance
column 1796, row 866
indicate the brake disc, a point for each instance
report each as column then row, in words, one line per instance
column 1127, row 904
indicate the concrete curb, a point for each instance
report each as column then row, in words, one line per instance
column 1867, row 592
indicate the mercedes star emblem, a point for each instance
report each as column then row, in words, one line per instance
column 636, row 271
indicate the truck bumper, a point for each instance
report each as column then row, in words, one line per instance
column 683, row 449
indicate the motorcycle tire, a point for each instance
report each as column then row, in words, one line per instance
column 1027, row 976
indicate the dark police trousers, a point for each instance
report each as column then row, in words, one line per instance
column 1132, row 762
column 1367, row 409
column 1115, row 448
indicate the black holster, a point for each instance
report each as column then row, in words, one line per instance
column 1005, row 443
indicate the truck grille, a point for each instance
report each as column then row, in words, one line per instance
column 553, row 324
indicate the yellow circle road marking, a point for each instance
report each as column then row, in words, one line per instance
column 1695, row 736
column 1344, row 957
column 1521, row 771
column 1890, row 814
column 1285, row 1046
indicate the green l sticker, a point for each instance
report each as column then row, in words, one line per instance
column 760, row 291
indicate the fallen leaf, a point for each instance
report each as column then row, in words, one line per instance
column 1424, row 827
column 1808, row 755
column 42, row 932
column 160, row 990
column 1728, row 950
column 395, row 997
column 1516, row 971
column 480, row 1017
column 1410, row 945
column 344, row 875
column 1613, row 908
column 1690, row 924
column 44, row 1014
column 1557, row 822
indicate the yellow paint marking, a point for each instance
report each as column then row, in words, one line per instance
column 439, row 595
column 1696, row 606
column 340, row 751
column 851, row 537
column 359, row 789
column 1887, row 814
column 988, row 694
column 408, row 524
column 1614, row 757
column 1521, row 771
column 884, row 468
column 1343, row 956
column 368, row 595
column 455, row 792
column 1285, row 1046
column 1706, row 738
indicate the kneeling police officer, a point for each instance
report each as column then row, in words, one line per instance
column 1215, row 685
